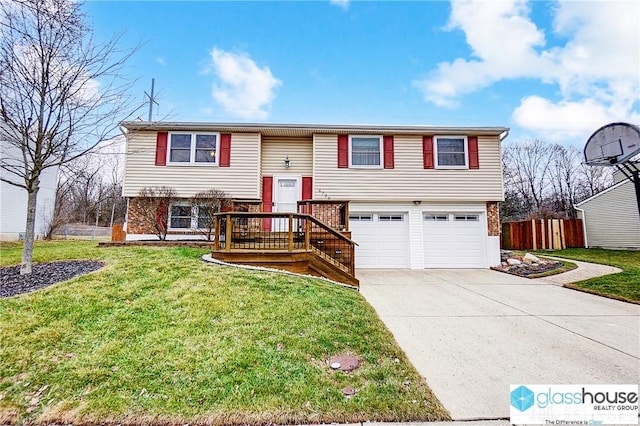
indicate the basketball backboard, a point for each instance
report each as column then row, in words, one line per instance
column 612, row 144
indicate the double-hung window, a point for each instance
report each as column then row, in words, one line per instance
column 190, row 217
column 180, row 217
column 451, row 152
column 365, row 151
column 193, row 148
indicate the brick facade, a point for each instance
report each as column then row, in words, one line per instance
column 136, row 223
column 493, row 219
column 330, row 214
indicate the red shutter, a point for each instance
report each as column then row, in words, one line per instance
column 473, row 152
column 267, row 200
column 343, row 151
column 161, row 148
column 307, row 188
column 225, row 150
column 388, row 152
column 427, row 152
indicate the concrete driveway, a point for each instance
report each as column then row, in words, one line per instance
column 472, row 333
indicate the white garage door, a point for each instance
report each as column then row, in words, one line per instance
column 453, row 240
column 383, row 239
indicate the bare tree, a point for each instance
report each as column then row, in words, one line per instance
column 594, row 179
column 152, row 208
column 564, row 177
column 208, row 204
column 60, row 93
column 526, row 167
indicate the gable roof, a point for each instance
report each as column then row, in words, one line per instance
column 302, row 130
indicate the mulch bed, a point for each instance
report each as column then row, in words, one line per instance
column 43, row 275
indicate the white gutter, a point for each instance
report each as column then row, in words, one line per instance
column 584, row 226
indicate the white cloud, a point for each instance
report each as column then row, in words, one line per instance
column 343, row 4
column 564, row 120
column 597, row 69
column 161, row 61
column 242, row 87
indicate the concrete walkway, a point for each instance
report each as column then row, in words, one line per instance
column 584, row 271
column 472, row 333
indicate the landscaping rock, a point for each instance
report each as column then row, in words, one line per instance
column 530, row 258
column 43, row 275
column 512, row 262
column 505, row 254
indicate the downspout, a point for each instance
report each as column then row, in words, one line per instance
column 584, row 225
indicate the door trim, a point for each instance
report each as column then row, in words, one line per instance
column 277, row 178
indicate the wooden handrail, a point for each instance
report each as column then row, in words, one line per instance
column 286, row 215
column 304, row 232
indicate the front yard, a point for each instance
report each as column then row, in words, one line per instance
column 624, row 286
column 159, row 337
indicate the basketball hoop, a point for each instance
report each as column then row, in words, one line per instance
column 616, row 144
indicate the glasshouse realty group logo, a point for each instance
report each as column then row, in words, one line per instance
column 578, row 404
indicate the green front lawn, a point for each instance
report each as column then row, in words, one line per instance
column 159, row 337
column 624, row 286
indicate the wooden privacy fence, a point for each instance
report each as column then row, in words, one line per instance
column 542, row 234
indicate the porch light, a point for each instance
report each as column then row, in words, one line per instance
column 287, row 162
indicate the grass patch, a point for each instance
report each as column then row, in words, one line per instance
column 623, row 286
column 159, row 337
column 566, row 267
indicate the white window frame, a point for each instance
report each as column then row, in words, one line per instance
column 466, row 152
column 360, row 166
column 435, row 217
column 466, row 217
column 390, row 217
column 192, row 150
column 179, row 204
column 361, row 217
column 193, row 226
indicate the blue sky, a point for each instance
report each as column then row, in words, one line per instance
column 550, row 70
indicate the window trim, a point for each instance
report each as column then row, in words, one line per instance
column 435, row 217
column 391, row 217
column 170, row 216
column 468, row 217
column 436, row 162
column 380, row 150
column 193, row 226
column 361, row 217
column 192, row 150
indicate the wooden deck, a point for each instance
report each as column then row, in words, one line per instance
column 291, row 241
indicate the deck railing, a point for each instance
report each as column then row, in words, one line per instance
column 267, row 231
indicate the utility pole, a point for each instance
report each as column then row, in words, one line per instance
column 152, row 99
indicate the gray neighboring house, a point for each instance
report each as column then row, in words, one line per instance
column 611, row 218
column 13, row 201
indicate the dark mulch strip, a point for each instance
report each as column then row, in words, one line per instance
column 43, row 275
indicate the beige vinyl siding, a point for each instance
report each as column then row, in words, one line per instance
column 275, row 150
column 612, row 219
column 241, row 180
column 408, row 181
